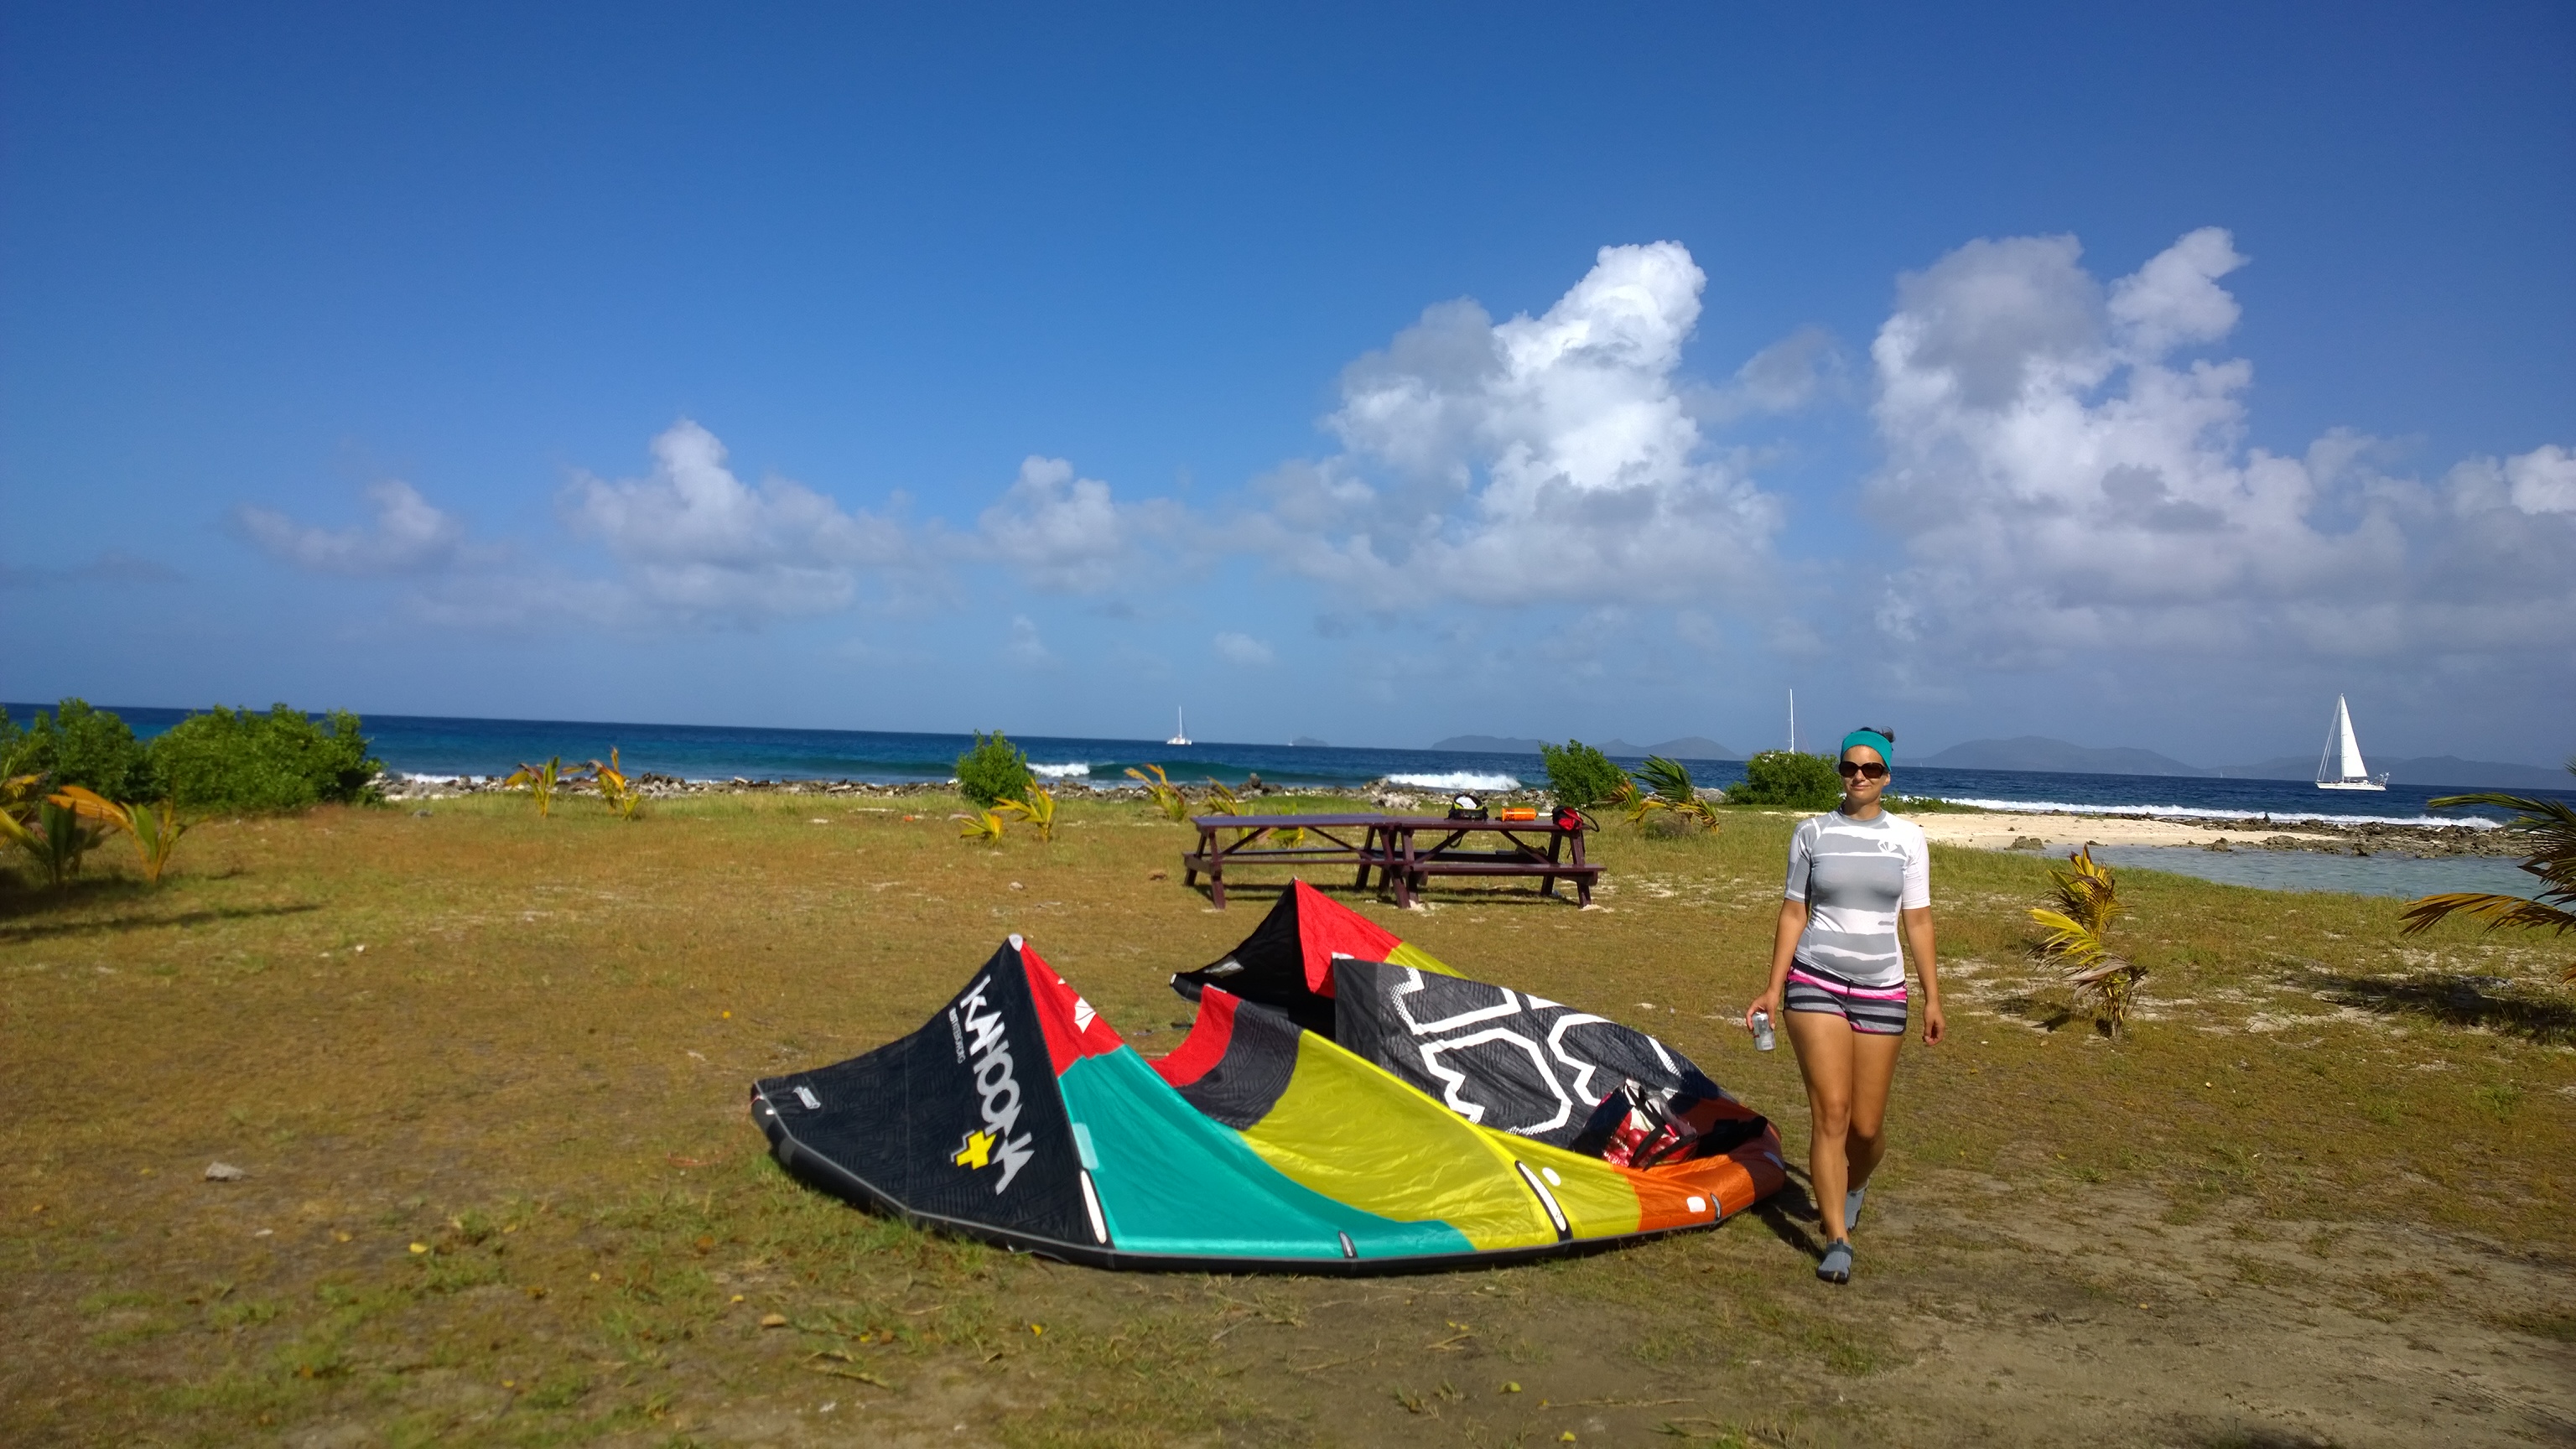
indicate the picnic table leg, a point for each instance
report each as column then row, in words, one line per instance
column 1216, row 872
column 1366, row 841
column 1583, row 882
column 1407, row 887
column 1555, row 848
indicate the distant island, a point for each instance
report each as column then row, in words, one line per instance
column 2040, row 754
column 1688, row 747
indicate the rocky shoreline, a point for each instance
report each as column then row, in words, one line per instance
column 2368, row 838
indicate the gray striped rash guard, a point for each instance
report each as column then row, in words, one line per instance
column 1854, row 876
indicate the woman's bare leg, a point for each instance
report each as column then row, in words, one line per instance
column 1825, row 1058
column 1873, row 1069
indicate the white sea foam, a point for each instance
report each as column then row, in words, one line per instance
column 1076, row 770
column 433, row 779
column 2199, row 812
column 1456, row 780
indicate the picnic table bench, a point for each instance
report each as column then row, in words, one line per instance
column 1392, row 848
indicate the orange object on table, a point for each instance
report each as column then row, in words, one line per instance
column 1518, row 812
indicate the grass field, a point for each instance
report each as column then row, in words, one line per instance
column 488, row 1073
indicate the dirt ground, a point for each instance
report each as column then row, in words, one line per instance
column 487, row 1076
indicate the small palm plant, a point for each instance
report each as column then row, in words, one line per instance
column 1668, row 786
column 155, row 830
column 2552, row 825
column 541, row 781
column 2078, row 939
column 980, row 825
column 57, row 839
column 1222, row 800
column 620, row 793
column 1036, row 806
column 1167, row 797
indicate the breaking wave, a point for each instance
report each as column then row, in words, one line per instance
column 1077, row 770
column 2200, row 812
column 1456, row 780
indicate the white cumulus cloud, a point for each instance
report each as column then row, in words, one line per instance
column 2543, row 480
column 1063, row 534
column 698, row 542
column 1539, row 458
column 408, row 536
column 2066, row 478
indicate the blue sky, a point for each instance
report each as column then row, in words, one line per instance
column 1372, row 375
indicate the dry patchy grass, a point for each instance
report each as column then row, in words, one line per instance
column 488, row 1072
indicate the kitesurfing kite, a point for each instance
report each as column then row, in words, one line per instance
column 1342, row 1103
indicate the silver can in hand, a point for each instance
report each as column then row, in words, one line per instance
column 1763, row 1040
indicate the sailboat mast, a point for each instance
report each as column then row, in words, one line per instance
column 1793, row 721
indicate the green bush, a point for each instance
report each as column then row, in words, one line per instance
column 994, row 771
column 77, row 745
column 229, row 759
column 1579, row 775
column 1780, row 777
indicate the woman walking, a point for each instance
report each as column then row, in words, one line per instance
column 1860, row 881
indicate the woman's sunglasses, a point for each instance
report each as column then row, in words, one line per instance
column 1849, row 768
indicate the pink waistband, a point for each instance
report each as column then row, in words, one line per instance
column 1866, row 993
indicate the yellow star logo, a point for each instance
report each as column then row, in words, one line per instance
column 977, row 1150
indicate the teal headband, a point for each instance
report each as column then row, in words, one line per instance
column 1886, row 747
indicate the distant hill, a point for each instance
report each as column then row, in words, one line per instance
column 1688, row 747
column 1488, row 745
column 2038, row 752
column 2429, row 770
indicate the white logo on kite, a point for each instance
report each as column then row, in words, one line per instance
column 1000, row 1089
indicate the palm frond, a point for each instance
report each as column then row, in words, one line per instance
column 2551, row 826
column 982, row 825
column 620, row 793
column 2078, row 939
column 2069, row 942
column 2087, row 892
column 17, row 790
column 541, row 781
column 1167, row 797
column 2424, row 913
column 156, row 832
column 90, row 805
column 1670, row 780
column 1036, row 806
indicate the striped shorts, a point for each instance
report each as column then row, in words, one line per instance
column 1877, row 1010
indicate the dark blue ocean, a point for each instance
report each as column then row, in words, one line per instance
column 423, row 745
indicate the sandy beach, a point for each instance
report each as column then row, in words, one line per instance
column 2003, row 832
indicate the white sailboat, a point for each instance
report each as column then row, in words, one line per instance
column 2340, row 767
column 1180, row 729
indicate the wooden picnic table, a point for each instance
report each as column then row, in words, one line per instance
column 1392, row 848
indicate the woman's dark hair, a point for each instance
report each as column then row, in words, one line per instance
column 1882, row 731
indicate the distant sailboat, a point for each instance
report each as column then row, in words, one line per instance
column 1180, row 730
column 2340, row 767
